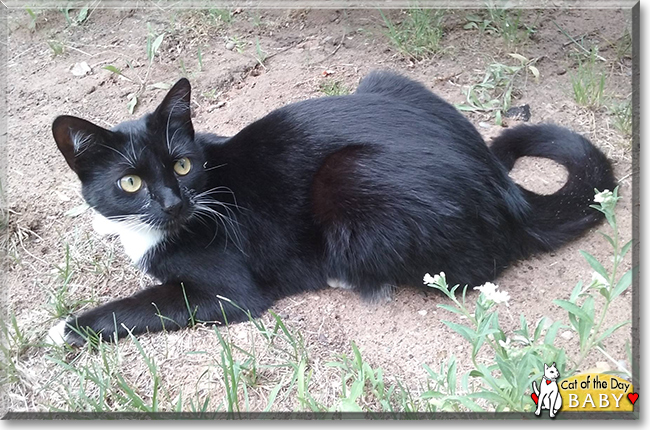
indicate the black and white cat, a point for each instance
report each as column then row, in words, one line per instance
column 363, row 191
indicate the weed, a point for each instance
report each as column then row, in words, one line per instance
column 221, row 15
column 56, row 47
column 32, row 22
column 588, row 83
column 419, row 34
column 79, row 19
column 623, row 46
column 622, row 117
column 520, row 357
column 501, row 21
column 237, row 43
column 260, row 54
column 333, row 88
column 494, row 93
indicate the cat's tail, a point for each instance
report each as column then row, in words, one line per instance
column 535, row 390
column 564, row 215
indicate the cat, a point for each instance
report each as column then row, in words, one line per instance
column 548, row 395
column 364, row 191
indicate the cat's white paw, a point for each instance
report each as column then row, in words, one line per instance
column 56, row 335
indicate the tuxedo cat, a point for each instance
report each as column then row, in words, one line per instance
column 364, row 191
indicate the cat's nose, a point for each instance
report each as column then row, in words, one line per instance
column 171, row 203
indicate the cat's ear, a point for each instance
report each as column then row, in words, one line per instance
column 74, row 135
column 545, row 367
column 175, row 108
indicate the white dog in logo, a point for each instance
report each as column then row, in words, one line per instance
column 548, row 396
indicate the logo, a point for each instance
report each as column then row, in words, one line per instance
column 587, row 392
column 548, row 395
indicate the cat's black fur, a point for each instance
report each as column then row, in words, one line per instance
column 375, row 188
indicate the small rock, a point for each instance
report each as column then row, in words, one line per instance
column 91, row 90
column 484, row 124
column 80, row 69
column 230, row 46
column 519, row 112
column 422, row 312
column 560, row 72
column 567, row 335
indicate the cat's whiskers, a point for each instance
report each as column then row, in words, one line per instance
column 214, row 167
column 202, row 208
column 132, row 162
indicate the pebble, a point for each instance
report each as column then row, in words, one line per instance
column 567, row 335
column 80, row 69
column 422, row 312
column 484, row 125
column 230, row 46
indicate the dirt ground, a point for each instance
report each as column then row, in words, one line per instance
column 305, row 48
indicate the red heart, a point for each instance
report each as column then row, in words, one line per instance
column 632, row 397
column 548, row 381
column 534, row 396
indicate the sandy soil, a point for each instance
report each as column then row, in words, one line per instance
column 230, row 90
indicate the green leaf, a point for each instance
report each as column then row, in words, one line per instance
column 348, row 405
column 475, row 374
column 551, row 333
column 576, row 292
column 451, row 376
column 595, row 264
column 538, row 328
column 610, row 330
column 155, row 45
column 451, row 309
column 572, row 309
column 625, row 249
column 521, row 58
column 609, row 239
column 524, row 326
column 112, row 69
column 534, row 71
column 133, row 101
column 83, row 14
column 464, row 331
column 506, row 370
column 622, row 284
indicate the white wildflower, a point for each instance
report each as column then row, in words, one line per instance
column 436, row 279
column 598, row 279
column 501, row 297
column 603, row 196
column 489, row 290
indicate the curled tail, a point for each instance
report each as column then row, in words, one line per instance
column 560, row 217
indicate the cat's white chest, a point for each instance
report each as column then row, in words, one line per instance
column 137, row 239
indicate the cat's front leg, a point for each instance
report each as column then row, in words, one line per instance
column 167, row 306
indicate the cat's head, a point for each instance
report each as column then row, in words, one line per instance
column 142, row 171
column 551, row 371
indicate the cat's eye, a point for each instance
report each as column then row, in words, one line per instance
column 130, row 183
column 182, row 166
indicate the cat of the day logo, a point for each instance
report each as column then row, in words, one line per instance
column 587, row 392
